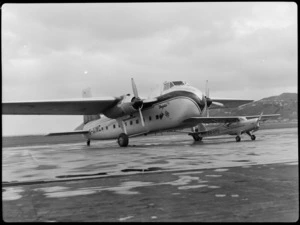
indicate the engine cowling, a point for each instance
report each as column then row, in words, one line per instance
column 127, row 106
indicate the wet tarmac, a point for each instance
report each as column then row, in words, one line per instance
column 156, row 178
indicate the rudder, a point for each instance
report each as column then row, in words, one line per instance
column 86, row 93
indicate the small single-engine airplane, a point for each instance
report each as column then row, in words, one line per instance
column 178, row 106
column 233, row 126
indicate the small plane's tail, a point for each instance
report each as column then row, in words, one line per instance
column 86, row 93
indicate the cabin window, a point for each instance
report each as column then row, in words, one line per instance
column 114, row 126
column 102, row 128
column 106, row 127
column 150, row 118
column 157, row 117
column 131, row 122
column 137, row 121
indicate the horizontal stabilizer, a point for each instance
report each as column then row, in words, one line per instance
column 69, row 133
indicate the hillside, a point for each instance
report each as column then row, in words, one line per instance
column 285, row 104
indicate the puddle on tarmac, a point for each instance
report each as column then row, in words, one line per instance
column 220, row 195
column 11, row 193
column 125, row 218
column 213, row 175
column 221, row 170
column 191, row 186
column 191, row 172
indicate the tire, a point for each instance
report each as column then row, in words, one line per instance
column 197, row 138
column 238, row 138
column 123, row 140
column 88, row 142
column 253, row 137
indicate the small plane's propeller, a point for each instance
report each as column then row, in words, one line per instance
column 259, row 119
column 257, row 122
column 137, row 102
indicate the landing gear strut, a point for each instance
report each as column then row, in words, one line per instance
column 197, row 138
column 253, row 137
column 88, row 142
column 123, row 140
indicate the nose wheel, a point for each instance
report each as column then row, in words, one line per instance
column 252, row 136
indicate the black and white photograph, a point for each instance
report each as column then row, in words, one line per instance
column 150, row 112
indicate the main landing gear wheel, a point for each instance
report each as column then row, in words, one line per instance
column 238, row 138
column 123, row 140
column 197, row 138
column 253, row 137
column 88, row 142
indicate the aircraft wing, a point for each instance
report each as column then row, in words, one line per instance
column 264, row 117
column 69, row 133
column 86, row 106
column 226, row 119
column 227, row 102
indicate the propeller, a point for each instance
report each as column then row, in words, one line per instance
column 137, row 102
column 207, row 100
column 259, row 119
column 257, row 122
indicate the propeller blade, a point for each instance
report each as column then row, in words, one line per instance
column 204, row 111
column 134, row 89
column 218, row 104
column 206, row 89
column 207, row 112
column 139, row 102
column 259, row 118
column 142, row 118
column 207, row 99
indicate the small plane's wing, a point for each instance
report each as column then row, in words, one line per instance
column 227, row 102
column 90, row 106
column 227, row 119
column 264, row 117
column 68, row 133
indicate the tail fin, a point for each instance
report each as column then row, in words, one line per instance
column 86, row 93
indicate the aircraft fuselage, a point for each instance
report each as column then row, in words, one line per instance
column 236, row 128
column 172, row 108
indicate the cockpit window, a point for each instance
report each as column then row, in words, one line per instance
column 168, row 85
column 178, row 83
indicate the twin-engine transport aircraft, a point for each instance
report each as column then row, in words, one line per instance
column 178, row 106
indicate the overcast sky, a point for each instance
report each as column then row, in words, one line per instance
column 53, row 51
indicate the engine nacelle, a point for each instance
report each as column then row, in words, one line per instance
column 127, row 106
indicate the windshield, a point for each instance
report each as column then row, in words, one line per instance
column 168, row 85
